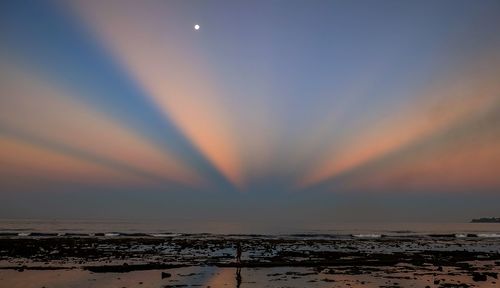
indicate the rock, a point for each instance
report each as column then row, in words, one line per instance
column 491, row 274
column 476, row 277
column 165, row 275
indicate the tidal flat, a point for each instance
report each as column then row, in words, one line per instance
column 207, row 260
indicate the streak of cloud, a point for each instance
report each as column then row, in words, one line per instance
column 174, row 78
column 43, row 110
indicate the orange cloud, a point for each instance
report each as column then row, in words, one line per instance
column 46, row 111
column 466, row 162
column 173, row 76
column 437, row 110
column 22, row 162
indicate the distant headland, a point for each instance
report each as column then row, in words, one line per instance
column 486, row 220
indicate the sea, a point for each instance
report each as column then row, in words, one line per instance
column 37, row 227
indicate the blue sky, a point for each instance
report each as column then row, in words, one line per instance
column 300, row 110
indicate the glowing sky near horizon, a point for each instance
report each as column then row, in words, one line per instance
column 266, row 100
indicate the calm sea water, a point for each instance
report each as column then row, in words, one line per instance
column 126, row 227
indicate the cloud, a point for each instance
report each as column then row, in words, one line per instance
column 451, row 101
column 175, row 79
column 45, row 111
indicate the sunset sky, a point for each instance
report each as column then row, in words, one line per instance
column 279, row 111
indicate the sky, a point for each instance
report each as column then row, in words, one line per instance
column 280, row 112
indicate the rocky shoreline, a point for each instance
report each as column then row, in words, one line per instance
column 478, row 260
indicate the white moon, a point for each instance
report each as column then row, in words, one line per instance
column 196, row 27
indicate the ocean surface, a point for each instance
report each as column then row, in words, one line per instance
column 34, row 227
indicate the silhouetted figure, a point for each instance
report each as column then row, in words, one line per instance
column 238, row 253
column 238, row 277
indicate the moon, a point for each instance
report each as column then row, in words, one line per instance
column 196, row 27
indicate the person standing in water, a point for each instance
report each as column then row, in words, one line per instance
column 238, row 253
column 238, row 264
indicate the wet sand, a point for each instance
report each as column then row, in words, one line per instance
column 201, row 260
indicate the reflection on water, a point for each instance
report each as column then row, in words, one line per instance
column 231, row 277
column 238, row 277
